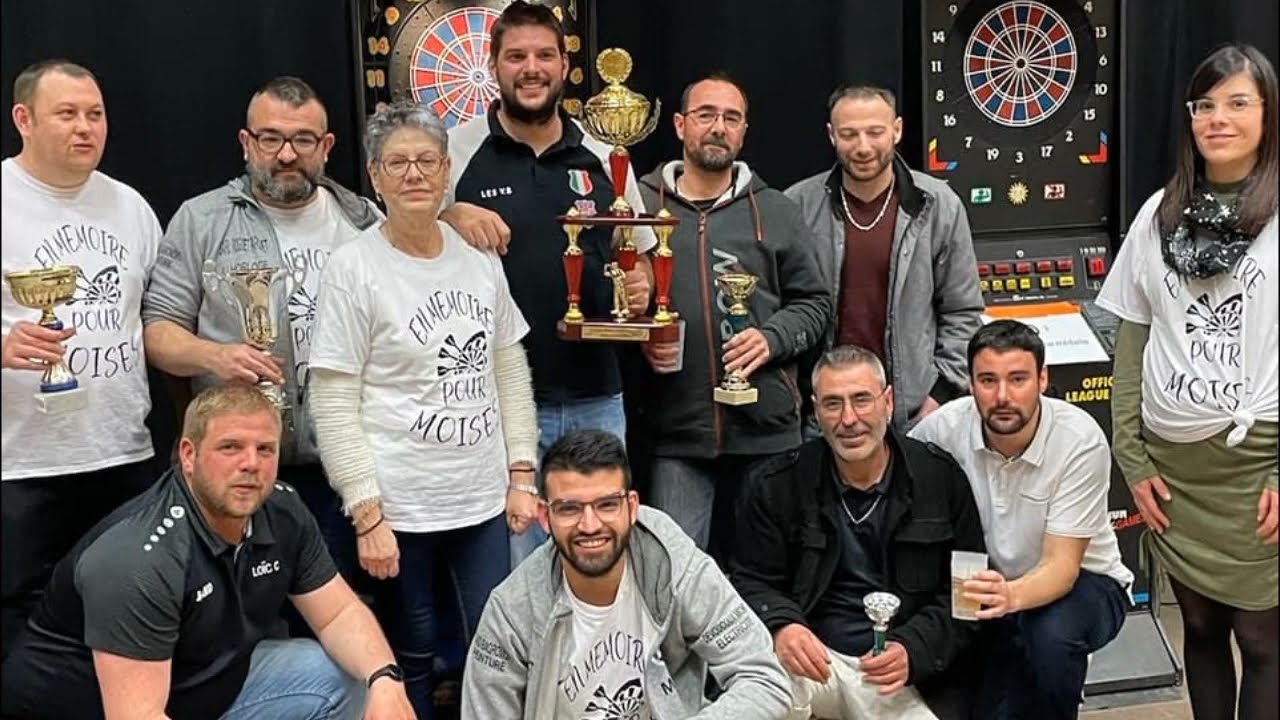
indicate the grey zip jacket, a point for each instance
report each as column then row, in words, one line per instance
column 227, row 225
column 703, row 625
column 935, row 305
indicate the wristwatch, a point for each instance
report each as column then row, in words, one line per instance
column 392, row 671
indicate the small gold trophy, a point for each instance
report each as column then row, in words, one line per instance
column 619, row 117
column 44, row 289
column 259, row 296
column 734, row 389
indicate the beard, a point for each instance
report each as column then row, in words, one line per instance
column 532, row 114
column 594, row 565
column 225, row 505
column 862, row 173
column 1014, row 420
column 712, row 155
column 282, row 190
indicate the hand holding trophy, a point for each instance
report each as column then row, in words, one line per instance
column 44, row 289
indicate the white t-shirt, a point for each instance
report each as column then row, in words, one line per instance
column 1057, row 486
column 605, row 655
column 421, row 335
column 109, row 231
column 1211, row 358
column 307, row 235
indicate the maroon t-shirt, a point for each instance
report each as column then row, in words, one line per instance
column 864, row 277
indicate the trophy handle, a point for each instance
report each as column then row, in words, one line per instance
column 213, row 281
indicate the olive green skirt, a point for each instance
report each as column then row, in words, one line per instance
column 1211, row 544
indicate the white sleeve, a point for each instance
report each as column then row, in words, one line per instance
column 515, row 404
column 1078, row 509
column 343, row 325
column 1122, row 292
column 334, row 401
column 644, row 237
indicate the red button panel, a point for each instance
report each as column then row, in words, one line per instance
column 984, row 270
column 1097, row 266
column 1044, row 266
column 1064, row 265
column 1002, row 268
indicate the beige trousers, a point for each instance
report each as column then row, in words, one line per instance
column 845, row 696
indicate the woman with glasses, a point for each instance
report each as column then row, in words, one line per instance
column 422, row 397
column 1195, row 399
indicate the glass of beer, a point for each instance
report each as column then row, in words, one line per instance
column 964, row 565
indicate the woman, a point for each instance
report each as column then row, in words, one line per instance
column 1194, row 402
column 421, row 394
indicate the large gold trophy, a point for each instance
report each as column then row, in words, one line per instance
column 44, row 289
column 619, row 117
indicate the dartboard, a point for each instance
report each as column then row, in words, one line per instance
column 1020, row 63
column 437, row 52
column 1019, row 109
column 450, row 66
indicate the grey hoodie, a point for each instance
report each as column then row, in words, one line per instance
column 228, row 225
column 703, row 625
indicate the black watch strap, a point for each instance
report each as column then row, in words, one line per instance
column 392, row 671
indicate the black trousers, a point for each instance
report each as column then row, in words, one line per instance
column 41, row 519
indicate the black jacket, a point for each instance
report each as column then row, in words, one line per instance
column 785, row 518
column 752, row 229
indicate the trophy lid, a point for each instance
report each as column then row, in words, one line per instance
column 617, row 115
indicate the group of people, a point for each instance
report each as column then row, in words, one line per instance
column 444, row 456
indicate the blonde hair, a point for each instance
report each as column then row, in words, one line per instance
column 223, row 400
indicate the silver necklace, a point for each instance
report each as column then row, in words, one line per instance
column 844, row 200
column 867, row 514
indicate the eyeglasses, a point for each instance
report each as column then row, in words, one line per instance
column 1202, row 108
column 862, row 403
column 270, row 141
column 707, row 117
column 570, row 511
column 398, row 165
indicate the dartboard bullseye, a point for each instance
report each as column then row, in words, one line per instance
column 1020, row 63
column 450, row 66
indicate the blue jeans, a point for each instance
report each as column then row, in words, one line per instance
column 1039, row 658
column 555, row 420
column 700, row 496
column 296, row 680
column 476, row 558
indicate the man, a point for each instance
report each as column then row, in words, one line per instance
column 513, row 171
column 1040, row 470
column 909, row 292
column 863, row 510
column 622, row 617
column 730, row 221
column 63, row 470
column 164, row 608
column 283, row 212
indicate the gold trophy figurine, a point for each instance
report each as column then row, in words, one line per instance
column 42, row 290
column 734, row 389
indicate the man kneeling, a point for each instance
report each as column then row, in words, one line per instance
column 163, row 608
column 862, row 510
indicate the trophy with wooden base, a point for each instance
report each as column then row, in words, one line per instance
column 619, row 117
column 44, row 289
column 734, row 389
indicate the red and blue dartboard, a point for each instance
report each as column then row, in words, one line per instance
column 450, row 66
column 1020, row 63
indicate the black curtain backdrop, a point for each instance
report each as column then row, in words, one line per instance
column 177, row 77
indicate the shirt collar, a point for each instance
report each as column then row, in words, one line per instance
column 258, row 530
column 1034, row 454
column 570, row 134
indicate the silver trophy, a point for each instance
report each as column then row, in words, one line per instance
column 880, row 607
column 259, row 297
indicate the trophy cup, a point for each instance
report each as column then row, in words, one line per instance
column 880, row 607
column 734, row 389
column 619, row 117
column 43, row 289
column 259, row 296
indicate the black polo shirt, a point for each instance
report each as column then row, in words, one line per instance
column 839, row 619
column 495, row 171
column 152, row 581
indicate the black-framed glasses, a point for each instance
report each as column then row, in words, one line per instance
column 398, row 165
column 605, row 508
column 707, row 117
column 862, row 403
column 1201, row 108
column 270, row 141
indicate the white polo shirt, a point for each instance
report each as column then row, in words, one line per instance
column 1058, row 486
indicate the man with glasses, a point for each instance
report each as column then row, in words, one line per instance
column 731, row 221
column 862, row 510
column 283, row 212
column 623, row 616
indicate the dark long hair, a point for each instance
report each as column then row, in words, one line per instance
column 1258, row 196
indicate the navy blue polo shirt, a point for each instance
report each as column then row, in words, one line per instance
column 152, row 581
column 495, row 171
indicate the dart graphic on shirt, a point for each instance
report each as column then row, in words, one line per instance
column 1222, row 321
column 103, row 289
column 302, row 306
column 472, row 357
column 626, row 704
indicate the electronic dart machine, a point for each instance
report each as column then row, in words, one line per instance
column 1020, row 118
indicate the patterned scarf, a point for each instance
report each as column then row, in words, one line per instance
column 1206, row 242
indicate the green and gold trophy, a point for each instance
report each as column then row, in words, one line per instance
column 619, row 117
column 734, row 389
column 44, row 289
